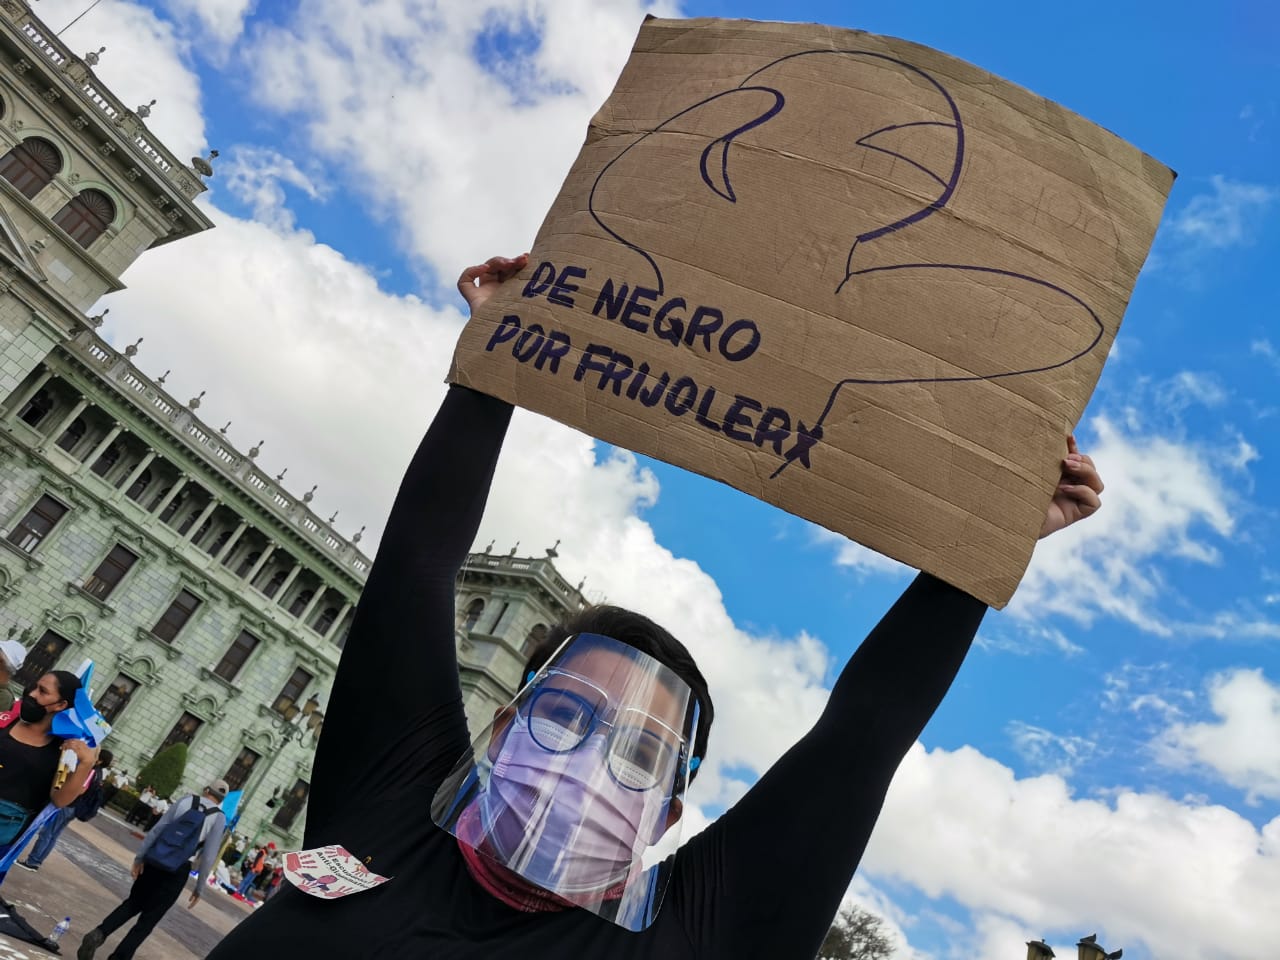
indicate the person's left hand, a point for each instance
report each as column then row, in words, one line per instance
column 85, row 754
column 1077, row 493
column 477, row 284
column 195, row 898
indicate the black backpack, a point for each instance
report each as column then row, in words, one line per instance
column 87, row 805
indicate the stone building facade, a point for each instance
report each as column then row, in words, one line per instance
column 213, row 601
column 504, row 606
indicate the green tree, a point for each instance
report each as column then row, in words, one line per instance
column 856, row 934
column 164, row 771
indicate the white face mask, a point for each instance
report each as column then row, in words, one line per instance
column 559, row 819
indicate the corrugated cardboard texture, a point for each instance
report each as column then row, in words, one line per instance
column 849, row 275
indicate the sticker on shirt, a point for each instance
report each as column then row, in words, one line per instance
column 329, row 872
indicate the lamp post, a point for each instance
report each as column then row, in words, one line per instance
column 293, row 724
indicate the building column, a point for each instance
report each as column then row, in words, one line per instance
column 67, row 420
column 92, row 458
column 262, row 562
column 232, row 541
column 288, row 582
column 321, row 590
column 28, row 393
column 176, row 489
column 137, row 471
column 337, row 621
column 199, row 521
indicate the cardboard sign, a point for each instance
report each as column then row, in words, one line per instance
column 329, row 873
column 849, row 275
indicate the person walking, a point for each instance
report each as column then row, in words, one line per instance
column 191, row 826
column 85, row 807
column 253, row 865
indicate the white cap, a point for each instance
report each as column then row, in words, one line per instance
column 13, row 654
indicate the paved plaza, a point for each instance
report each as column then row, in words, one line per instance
column 86, row 877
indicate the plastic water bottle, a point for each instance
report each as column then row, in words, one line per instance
column 63, row 926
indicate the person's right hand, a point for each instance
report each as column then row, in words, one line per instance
column 136, row 871
column 477, row 284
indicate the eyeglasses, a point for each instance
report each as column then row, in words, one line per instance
column 642, row 751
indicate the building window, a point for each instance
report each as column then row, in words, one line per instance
column 340, row 641
column 246, row 564
column 535, row 637
column 112, row 703
column 237, row 654
column 31, row 165
column 277, row 580
column 190, row 521
column 73, row 434
column 238, row 775
column 172, row 507
column 86, row 216
column 294, row 801
column 184, row 731
column 139, row 486
column 41, row 658
column 34, row 410
column 474, row 609
column 110, row 457
column 293, row 690
column 35, row 526
column 110, row 572
column 323, row 623
column 300, row 602
column 176, row 617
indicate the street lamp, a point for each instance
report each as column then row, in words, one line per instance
column 293, row 724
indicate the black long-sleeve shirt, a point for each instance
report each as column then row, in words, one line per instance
column 762, row 881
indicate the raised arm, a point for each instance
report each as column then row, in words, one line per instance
column 396, row 706
column 767, row 878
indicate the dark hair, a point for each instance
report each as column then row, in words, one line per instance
column 104, row 758
column 68, row 684
column 638, row 631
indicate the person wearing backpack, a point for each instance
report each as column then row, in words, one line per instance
column 191, row 827
column 83, row 807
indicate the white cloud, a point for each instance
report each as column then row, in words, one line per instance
column 1048, row 752
column 256, row 176
column 1227, row 216
column 1186, row 388
column 1188, row 880
column 223, row 20
column 1164, row 500
column 440, row 164
column 1242, row 745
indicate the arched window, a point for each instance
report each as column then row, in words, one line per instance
column 474, row 609
column 31, row 165
column 535, row 637
column 86, row 216
column 110, row 457
column 247, row 563
column 219, row 542
column 139, row 485
column 73, row 434
column 323, row 622
column 204, row 528
column 300, row 602
column 274, row 584
column 36, row 408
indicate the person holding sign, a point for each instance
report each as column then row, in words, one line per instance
column 552, row 836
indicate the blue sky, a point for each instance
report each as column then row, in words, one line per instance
column 1118, row 728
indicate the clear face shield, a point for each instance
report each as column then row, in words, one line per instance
column 577, row 785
